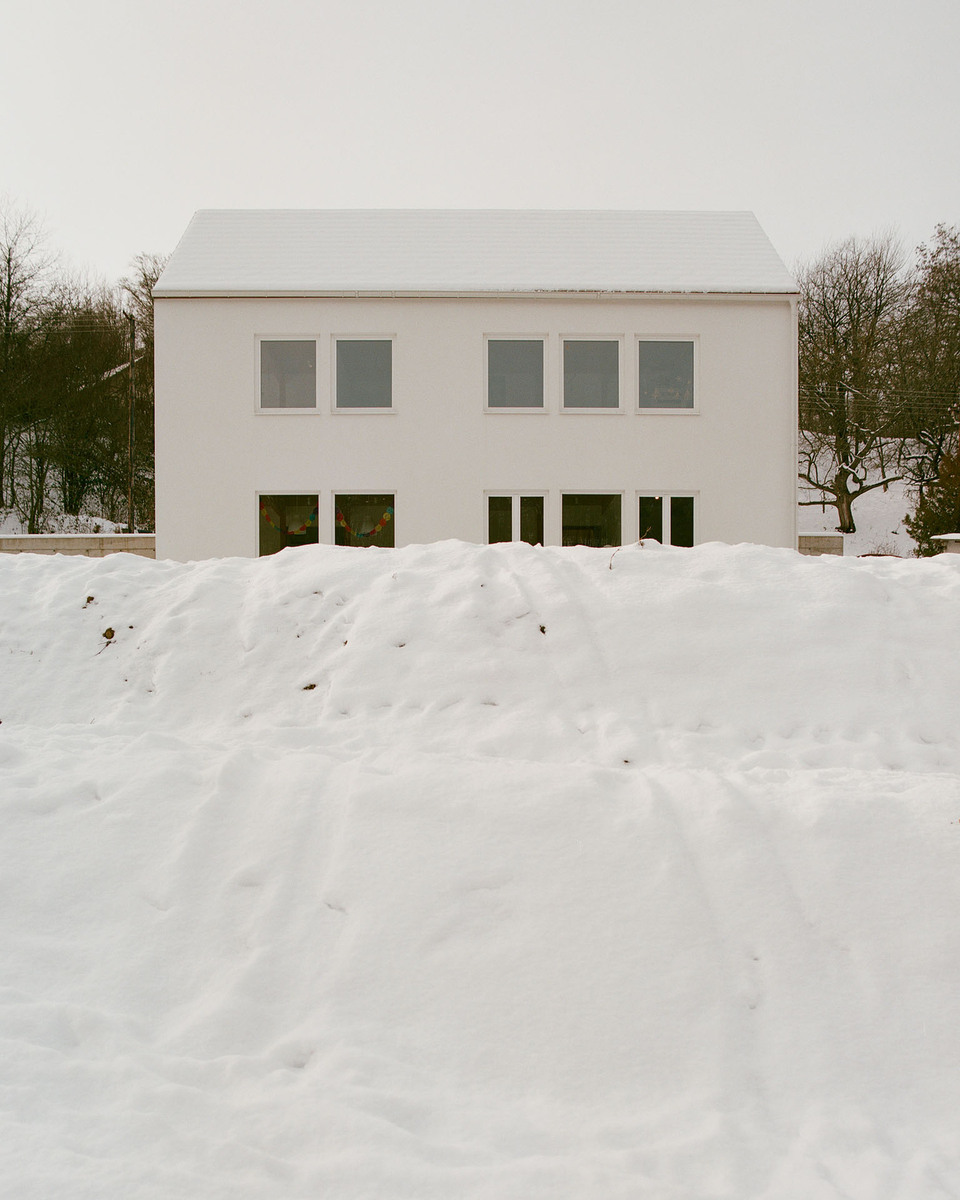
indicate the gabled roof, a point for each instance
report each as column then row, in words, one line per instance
column 284, row 252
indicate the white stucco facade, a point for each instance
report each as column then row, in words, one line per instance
column 440, row 451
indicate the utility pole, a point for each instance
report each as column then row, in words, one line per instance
column 131, row 410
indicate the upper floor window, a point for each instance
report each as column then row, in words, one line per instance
column 288, row 373
column 364, row 373
column 666, row 375
column 515, row 373
column 591, row 374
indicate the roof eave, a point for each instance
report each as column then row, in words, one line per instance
column 173, row 293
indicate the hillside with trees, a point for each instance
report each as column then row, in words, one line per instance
column 880, row 379
column 76, row 387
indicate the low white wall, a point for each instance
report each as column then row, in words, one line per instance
column 438, row 451
column 88, row 544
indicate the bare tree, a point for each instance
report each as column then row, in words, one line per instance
column 25, row 267
column 850, row 302
column 929, row 361
column 82, row 385
column 138, row 287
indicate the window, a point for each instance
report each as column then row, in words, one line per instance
column 508, row 516
column 591, row 520
column 288, row 374
column 666, row 375
column 363, row 521
column 287, row 521
column 364, row 373
column 514, row 373
column 591, row 374
column 667, row 519
column 499, row 519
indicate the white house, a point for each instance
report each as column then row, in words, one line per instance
column 389, row 377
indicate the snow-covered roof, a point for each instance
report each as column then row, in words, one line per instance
column 229, row 252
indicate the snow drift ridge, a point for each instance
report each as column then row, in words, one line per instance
column 745, row 654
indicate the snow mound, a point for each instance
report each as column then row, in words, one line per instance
column 480, row 872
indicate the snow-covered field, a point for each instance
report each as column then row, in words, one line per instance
column 480, row 873
column 57, row 522
column 878, row 516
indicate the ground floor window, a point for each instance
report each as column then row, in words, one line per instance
column 591, row 520
column 667, row 519
column 515, row 519
column 288, row 521
column 364, row 520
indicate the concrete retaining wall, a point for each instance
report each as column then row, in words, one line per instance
column 91, row 545
column 820, row 543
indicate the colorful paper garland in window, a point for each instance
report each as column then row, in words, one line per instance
column 342, row 522
column 311, row 520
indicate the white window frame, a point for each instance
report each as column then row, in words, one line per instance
column 591, row 412
column 284, row 491
column 498, row 409
column 515, row 497
column 360, row 491
column 668, row 412
column 666, row 496
column 257, row 376
column 335, row 409
column 587, row 491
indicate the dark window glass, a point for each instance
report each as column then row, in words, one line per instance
column 531, row 520
column 499, row 519
column 666, row 374
column 287, row 521
column 364, row 374
column 591, row 520
column 364, row 521
column 514, row 374
column 288, row 374
column 591, row 374
column 681, row 520
column 651, row 517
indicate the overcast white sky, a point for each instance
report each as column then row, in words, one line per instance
column 825, row 117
